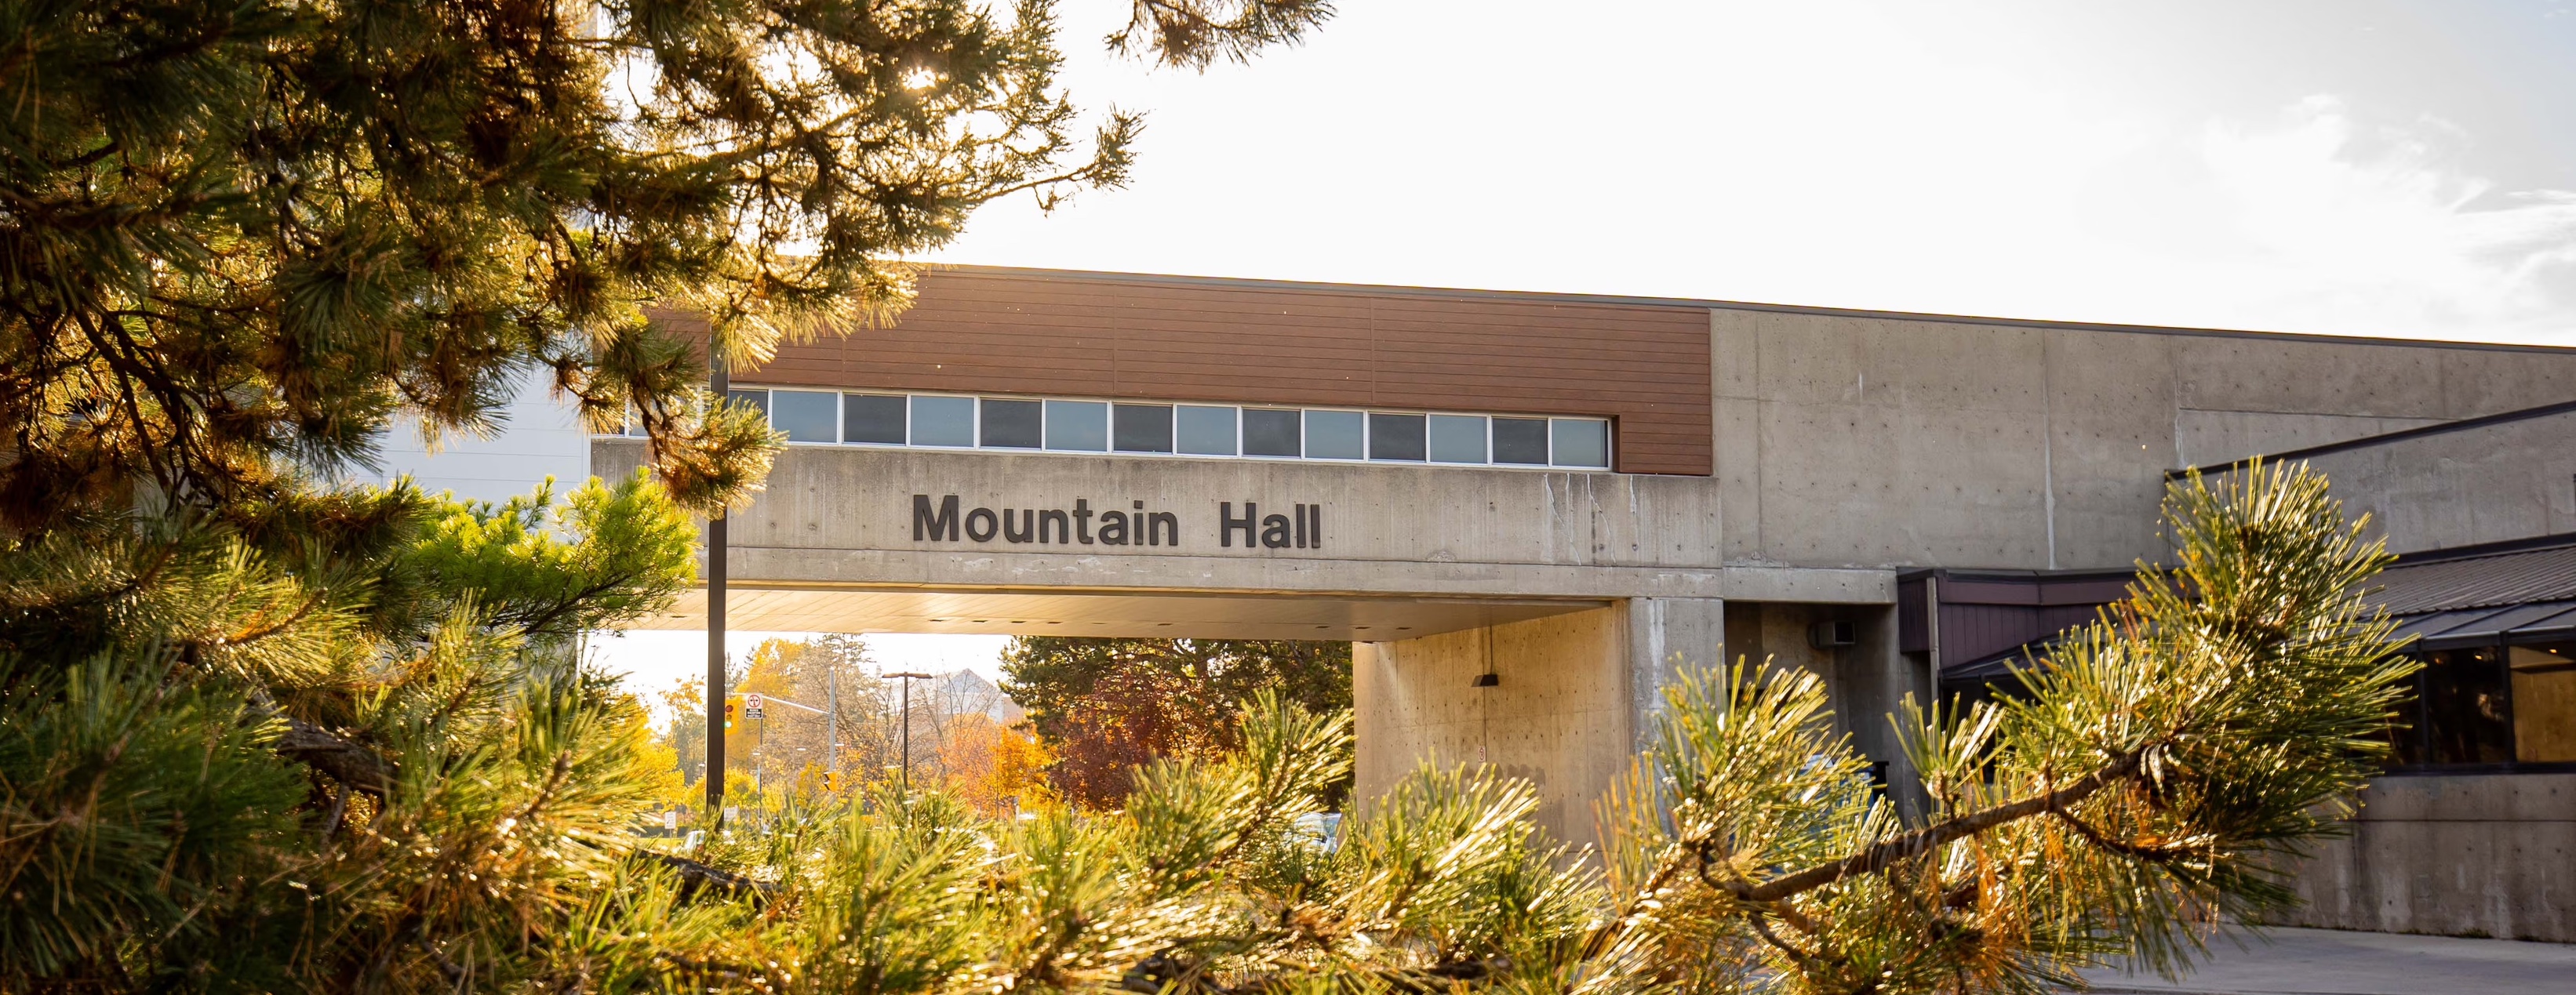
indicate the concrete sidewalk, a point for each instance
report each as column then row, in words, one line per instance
column 2333, row 962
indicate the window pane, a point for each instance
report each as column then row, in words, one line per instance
column 876, row 418
column 1209, row 431
column 1082, row 425
column 1012, row 424
column 943, row 421
column 1334, row 434
column 1457, row 439
column 1144, row 428
column 1271, row 432
column 1583, row 442
column 806, row 415
column 2464, row 708
column 1395, row 437
column 755, row 398
column 2544, row 703
column 1520, row 440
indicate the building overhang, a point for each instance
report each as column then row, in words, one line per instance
column 1073, row 612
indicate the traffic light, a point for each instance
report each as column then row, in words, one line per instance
column 729, row 706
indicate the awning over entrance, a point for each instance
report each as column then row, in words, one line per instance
column 2509, row 593
column 1060, row 612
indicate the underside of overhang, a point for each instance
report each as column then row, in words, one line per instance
column 1102, row 613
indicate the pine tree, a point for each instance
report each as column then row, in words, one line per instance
column 242, row 236
column 337, row 743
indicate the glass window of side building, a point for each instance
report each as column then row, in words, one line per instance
column 1144, row 428
column 1457, row 439
column 1336, row 435
column 943, row 421
column 1582, row 442
column 872, row 419
column 1079, row 426
column 1205, row 430
column 1273, row 432
column 1520, row 441
column 1148, row 428
column 2544, row 702
column 1395, row 437
column 1012, row 424
column 2490, row 705
column 806, row 415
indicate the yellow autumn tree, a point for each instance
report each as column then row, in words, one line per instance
column 998, row 769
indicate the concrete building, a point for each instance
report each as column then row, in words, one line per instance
column 1526, row 510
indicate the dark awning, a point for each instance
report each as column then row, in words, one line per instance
column 2488, row 626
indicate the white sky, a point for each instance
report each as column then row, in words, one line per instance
column 2332, row 166
column 2345, row 167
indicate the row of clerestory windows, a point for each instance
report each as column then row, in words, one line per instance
column 951, row 421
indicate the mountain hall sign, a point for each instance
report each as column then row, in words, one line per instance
column 1302, row 528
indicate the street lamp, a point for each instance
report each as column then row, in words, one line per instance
column 908, row 677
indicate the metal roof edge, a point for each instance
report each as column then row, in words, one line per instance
column 2381, row 439
column 1695, row 303
column 2500, row 547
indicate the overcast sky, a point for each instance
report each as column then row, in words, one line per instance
column 2348, row 167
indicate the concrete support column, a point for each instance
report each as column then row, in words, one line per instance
column 1570, row 698
column 1666, row 638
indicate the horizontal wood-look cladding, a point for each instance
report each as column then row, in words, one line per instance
column 1020, row 332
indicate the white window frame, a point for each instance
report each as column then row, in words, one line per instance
column 1242, row 428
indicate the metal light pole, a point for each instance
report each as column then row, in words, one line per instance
column 717, row 383
column 832, row 701
column 908, row 677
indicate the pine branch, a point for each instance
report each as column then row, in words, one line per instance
column 695, row 876
column 1889, row 853
column 351, row 764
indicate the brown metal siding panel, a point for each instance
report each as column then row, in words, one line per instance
column 1645, row 367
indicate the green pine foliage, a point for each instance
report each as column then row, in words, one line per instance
column 169, row 826
column 240, row 235
column 365, row 758
column 2167, row 763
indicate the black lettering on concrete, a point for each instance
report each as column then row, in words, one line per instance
column 940, row 522
column 928, row 524
column 1226, row 523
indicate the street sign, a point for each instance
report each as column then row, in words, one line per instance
column 751, row 706
column 671, row 818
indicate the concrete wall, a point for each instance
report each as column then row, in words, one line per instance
column 2508, row 481
column 2460, row 855
column 843, row 516
column 1868, row 680
column 1881, row 441
column 1574, row 693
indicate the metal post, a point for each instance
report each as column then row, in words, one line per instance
column 832, row 701
column 1932, row 633
column 907, row 677
column 717, row 383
